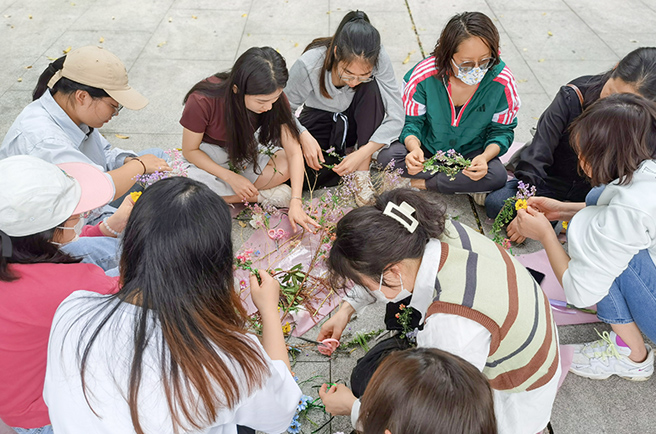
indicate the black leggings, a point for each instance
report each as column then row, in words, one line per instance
column 343, row 131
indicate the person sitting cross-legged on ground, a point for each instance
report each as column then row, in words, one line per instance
column 169, row 352
column 611, row 236
column 40, row 207
column 234, row 124
column 463, row 97
column 351, row 104
column 459, row 292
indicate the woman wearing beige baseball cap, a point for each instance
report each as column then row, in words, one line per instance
column 40, row 207
column 74, row 96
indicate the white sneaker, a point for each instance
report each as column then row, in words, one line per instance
column 479, row 198
column 601, row 359
column 278, row 196
column 364, row 194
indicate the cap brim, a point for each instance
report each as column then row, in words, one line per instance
column 97, row 188
column 129, row 98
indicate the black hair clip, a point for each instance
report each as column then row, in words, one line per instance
column 7, row 250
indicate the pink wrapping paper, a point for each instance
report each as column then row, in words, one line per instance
column 285, row 253
column 550, row 285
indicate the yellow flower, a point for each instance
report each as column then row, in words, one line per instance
column 286, row 328
column 565, row 225
column 135, row 195
column 521, row 204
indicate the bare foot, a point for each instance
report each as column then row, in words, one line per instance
column 418, row 183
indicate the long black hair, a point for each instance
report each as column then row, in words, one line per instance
column 355, row 38
column 33, row 249
column 368, row 242
column 177, row 266
column 638, row 69
column 259, row 71
column 63, row 85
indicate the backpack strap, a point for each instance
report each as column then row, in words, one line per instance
column 578, row 93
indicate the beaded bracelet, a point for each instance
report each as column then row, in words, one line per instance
column 142, row 163
column 109, row 229
column 299, row 198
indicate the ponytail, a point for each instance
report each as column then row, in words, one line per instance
column 45, row 77
column 63, row 85
column 368, row 241
column 354, row 38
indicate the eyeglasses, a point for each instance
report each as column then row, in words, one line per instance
column 117, row 109
column 469, row 65
column 349, row 78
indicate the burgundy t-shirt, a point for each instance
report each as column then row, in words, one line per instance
column 27, row 307
column 205, row 114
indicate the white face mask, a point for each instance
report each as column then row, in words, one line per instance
column 378, row 295
column 77, row 228
column 471, row 77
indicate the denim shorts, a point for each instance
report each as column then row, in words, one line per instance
column 41, row 430
column 632, row 296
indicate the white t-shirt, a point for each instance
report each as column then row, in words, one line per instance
column 269, row 409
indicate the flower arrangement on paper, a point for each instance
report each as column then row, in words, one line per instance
column 297, row 261
column 177, row 164
column 449, row 162
column 509, row 210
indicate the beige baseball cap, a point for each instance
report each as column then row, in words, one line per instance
column 96, row 67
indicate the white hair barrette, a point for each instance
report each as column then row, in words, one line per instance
column 402, row 214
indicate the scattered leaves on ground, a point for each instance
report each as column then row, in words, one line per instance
column 407, row 58
column 540, row 60
column 101, row 40
column 66, row 50
column 170, row 19
column 194, row 17
column 161, row 44
column 121, row 136
column 549, row 33
column 244, row 15
column 20, row 79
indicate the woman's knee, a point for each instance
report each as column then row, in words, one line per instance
column 280, row 164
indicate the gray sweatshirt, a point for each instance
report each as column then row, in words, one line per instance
column 303, row 88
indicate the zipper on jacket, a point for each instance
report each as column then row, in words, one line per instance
column 455, row 121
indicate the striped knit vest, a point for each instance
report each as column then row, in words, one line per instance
column 479, row 280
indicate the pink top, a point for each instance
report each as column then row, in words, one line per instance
column 27, row 307
column 92, row 231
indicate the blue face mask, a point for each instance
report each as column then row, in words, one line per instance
column 471, row 77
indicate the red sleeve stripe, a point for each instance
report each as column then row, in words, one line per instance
column 423, row 70
column 506, row 78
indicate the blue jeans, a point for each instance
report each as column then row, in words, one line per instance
column 101, row 251
column 41, row 430
column 632, row 296
column 495, row 200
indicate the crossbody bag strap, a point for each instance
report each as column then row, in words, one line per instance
column 578, row 93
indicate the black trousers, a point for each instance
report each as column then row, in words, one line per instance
column 367, row 365
column 343, row 131
column 494, row 179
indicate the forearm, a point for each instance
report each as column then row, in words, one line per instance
column 294, row 154
column 491, row 151
column 273, row 339
column 346, row 310
column 370, row 148
column 570, row 209
column 124, row 176
column 411, row 143
column 558, row 257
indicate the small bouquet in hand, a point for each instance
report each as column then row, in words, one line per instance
column 510, row 208
column 449, row 162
